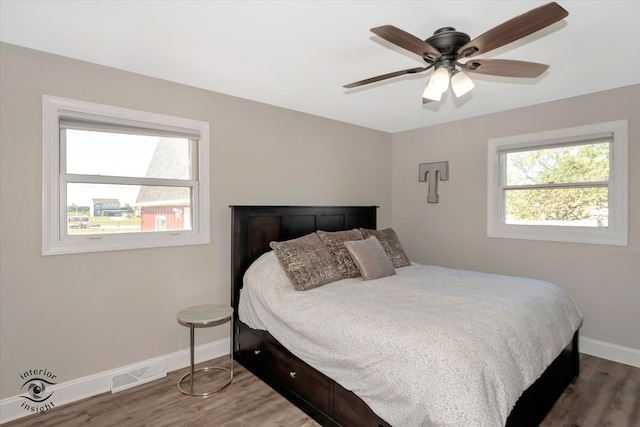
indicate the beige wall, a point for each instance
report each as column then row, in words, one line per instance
column 78, row 315
column 604, row 280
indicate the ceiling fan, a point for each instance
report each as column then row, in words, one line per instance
column 444, row 50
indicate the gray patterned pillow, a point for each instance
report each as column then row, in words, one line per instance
column 334, row 241
column 371, row 259
column 391, row 245
column 307, row 262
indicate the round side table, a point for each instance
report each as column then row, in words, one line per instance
column 204, row 316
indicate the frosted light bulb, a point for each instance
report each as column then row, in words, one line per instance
column 461, row 83
column 439, row 81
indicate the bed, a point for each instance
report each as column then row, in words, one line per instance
column 322, row 396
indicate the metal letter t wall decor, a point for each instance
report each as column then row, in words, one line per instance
column 433, row 172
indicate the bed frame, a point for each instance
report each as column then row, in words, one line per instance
column 252, row 228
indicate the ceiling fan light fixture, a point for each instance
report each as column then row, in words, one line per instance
column 461, row 83
column 439, row 81
column 431, row 94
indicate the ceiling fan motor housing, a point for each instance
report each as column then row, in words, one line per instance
column 447, row 40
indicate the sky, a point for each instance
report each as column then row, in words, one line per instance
column 101, row 153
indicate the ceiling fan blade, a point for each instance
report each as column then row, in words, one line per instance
column 514, row 29
column 505, row 68
column 406, row 41
column 385, row 76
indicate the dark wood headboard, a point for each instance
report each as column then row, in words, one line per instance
column 254, row 227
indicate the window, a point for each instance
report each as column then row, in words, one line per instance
column 566, row 185
column 116, row 179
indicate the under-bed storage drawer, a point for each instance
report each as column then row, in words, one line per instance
column 306, row 383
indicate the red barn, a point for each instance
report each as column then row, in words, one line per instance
column 166, row 208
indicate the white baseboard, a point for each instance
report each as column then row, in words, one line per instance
column 616, row 353
column 92, row 385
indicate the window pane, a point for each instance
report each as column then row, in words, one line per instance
column 586, row 207
column 126, row 155
column 104, row 208
column 559, row 165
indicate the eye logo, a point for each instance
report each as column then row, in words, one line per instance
column 36, row 383
column 37, row 389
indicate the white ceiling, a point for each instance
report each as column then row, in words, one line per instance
column 298, row 54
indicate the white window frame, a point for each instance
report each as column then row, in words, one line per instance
column 55, row 241
column 616, row 233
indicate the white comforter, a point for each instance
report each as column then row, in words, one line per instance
column 430, row 346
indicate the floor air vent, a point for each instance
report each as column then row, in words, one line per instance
column 138, row 376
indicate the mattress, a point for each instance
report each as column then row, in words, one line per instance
column 430, row 346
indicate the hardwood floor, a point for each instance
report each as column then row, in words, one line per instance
column 605, row 394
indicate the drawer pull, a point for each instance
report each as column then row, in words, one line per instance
column 292, row 374
column 256, row 352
